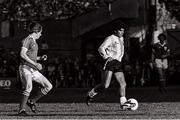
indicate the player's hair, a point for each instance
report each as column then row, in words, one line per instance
column 118, row 26
column 162, row 35
column 34, row 27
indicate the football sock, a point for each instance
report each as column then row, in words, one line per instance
column 123, row 100
column 37, row 96
column 162, row 86
column 99, row 88
column 23, row 102
column 92, row 93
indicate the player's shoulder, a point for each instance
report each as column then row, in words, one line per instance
column 27, row 39
column 106, row 40
column 109, row 38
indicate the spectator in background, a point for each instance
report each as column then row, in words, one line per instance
column 44, row 47
column 51, row 73
column 60, row 75
column 161, row 52
column 25, row 10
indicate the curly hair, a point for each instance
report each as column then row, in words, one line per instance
column 162, row 36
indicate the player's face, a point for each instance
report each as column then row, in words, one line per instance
column 38, row 35
column 120, row 32
column 162, row 39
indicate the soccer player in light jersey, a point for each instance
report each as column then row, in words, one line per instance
column 112, row 50
column 29, row 69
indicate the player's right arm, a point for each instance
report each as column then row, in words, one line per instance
column 23, row 54
column 25, row 57
column 103, row 49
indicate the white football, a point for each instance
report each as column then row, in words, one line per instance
column 133, row 104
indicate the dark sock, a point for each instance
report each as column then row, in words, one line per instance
column 162, row 86
column 38, row 95
column 23, row 102
column 99, row 89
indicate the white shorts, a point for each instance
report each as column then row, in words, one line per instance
column 161, row 63
column 28, row 75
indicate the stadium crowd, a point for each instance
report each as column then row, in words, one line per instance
column 23, row 10
column 68, row 72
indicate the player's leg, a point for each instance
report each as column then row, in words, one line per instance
column 161, row 79
column 26, row 79
column 100, row 87
column 159, row 66
column 109, row 68
column 46, row 87
column 163, row 76
column 104, row 84
column 122, row 86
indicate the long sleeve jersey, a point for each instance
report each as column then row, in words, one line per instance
column 113, row 47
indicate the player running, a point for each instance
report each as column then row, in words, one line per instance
column 112, row 50
column 29, row 69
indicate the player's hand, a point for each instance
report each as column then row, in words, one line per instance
column 39, row 66
column 110, row 59
column 44, row 57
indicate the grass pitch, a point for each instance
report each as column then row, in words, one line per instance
column 161, row 110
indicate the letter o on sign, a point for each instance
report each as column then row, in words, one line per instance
column 7, row 83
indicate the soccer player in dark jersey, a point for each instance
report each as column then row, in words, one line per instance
column 161, row 52
column 29, row 69
column 112, row 50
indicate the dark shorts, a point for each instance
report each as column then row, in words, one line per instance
column 114, row 66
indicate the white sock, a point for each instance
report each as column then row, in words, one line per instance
column 92, row 93
column 122, row 100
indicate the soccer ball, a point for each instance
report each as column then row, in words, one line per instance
column 133, row 104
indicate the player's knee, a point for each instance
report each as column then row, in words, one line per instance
column 50, row 86
column 123, row 84
column 46, row 89
column 29, row 90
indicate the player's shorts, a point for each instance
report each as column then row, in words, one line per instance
column 26, row 70
column 27, row 75
column 161, row 63
column 114, row 66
